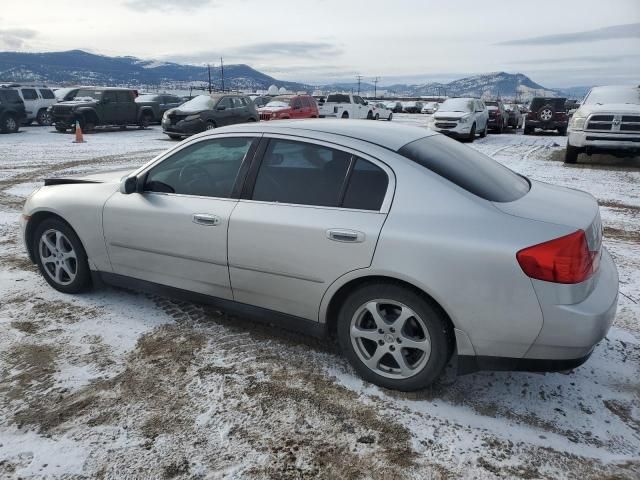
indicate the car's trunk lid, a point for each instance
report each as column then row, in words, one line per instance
column 563, row 206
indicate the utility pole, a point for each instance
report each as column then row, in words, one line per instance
column 222, row 73
column 375, row 87
column 209, row 72
column 359, row 78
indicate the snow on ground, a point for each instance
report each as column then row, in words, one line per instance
column 114, row 384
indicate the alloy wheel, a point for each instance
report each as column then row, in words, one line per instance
column 546, row 114
column 58, row 257
column 390, row 338
column 11, row 124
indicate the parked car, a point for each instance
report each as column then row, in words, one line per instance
column 412, row 107
column 12, row 111
column 407, row 246
column 36, row 102
column 380, row 110
column 461, row 118
column 498, row 116
column 395, row 107
column 289, row 106
column 261, row 100
column 608, row 120
column 206, row 112
column 515, row 116
column 93, row 107
column 344, row 105
column 547, row 113
column 165, row 101
column 320, row 99
column 430, row 108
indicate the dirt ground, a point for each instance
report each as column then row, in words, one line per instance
column 120, row 384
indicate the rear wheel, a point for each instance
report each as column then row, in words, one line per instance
column 562, row 131
column 61, row 257
column 393, row 336
column 345, row 115
column 571, row 154
column 485, row 131
column 528, row 130
column 472, row 133
column 210, row 125
column 390, row 117
column 9, row 124
column 144, row 122
column 44, row 117
column 377, row 117
column 174, row 137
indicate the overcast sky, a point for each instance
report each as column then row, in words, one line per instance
column 558, row 43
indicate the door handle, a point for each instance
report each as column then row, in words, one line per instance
column 352, row 236
column 206, row 219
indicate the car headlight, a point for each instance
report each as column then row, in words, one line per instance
column 165, row 116
column 192, row 117
column 465, row 119
column 577, row 122
column 274, row 115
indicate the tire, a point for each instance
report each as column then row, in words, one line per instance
column 426, row 326
column 528, row 130
column 369, row 115
column 210, row 125
column 345, row 115
column 546, row 113
column 86, row 124
column 27, row 123
column 61, row 129
column 9, row 124
column 472, row 133
column 61, row 257
column 390, row 117
column 44, row 118
column 377, row 117
column 571, row 154
column 483, row 134
column 562, row 131
column 144, row 122
column 174, row 137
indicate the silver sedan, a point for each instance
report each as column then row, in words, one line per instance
column 406, row 246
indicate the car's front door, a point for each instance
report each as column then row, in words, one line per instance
column 175, row 232
column 224, row 111
column 109, row 108
column 309, row 214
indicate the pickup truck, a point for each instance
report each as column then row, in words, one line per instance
column 94, row 107
column 342, row 105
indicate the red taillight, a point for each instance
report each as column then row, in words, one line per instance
column 563, row 260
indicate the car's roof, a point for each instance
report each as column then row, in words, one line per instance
column 385, row 134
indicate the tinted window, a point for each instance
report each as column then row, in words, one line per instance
column 237, row 102
column 124, row 97
column 367, row 186
column 338, row 98
column 110, row 96
column 538, row 103
column 301, row 173
column 225, row 102
column 207, row 169
column 10, row 96
column 297, row 103
column 29, row 94
column 306, row 102
column 46, row 93
column 467, row 168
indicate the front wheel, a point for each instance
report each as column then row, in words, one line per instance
column 61, row 257
column 571, row 154
column 44, row 118
column 9, row 124
column 485, row 131
column 377, row 117
column 210, row 126
column 394, row 337
column 472, row 133
column 390, row 117
column 345, row 115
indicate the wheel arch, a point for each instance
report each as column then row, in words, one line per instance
column 36, row 219
column 335, row 299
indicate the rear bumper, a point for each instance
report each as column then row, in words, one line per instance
column 545, row 125
column 604, row 140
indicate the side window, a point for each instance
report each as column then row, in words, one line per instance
column 301, row 173
column 225, row 102
column 357, row 99
column 47, row 94
column 306, row 102
column 237, row 102
column 124, row 97
column 208, row 168
column 367, row 186
column 244, row 102
column 29, row 94
column 297, row 103
column 109, row 96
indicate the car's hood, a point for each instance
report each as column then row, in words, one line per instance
column 443, row 114
column 274, row 109
column 585, row 110
column 178, row 111
column 112, row 176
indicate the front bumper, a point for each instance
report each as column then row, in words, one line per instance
column 451, row 128
column 604, row 140
column 183, row 127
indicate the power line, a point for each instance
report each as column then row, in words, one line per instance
column 375, row 87
column 359, row 78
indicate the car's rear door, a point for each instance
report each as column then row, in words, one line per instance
column 126, row 107
column 175, row 232
column 309, row 214
column 31, row 100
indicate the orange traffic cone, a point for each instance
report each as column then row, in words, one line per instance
column 79, row 138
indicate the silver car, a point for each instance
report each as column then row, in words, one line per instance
column 405, row 245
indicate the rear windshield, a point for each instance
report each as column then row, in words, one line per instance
column 10, row 96
column 467, row 168
column 338, row 98
column 538, row 103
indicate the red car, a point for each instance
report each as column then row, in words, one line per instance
column 289, row 106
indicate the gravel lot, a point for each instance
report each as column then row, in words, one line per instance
column 119, row 384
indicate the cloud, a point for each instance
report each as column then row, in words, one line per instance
column 167, row 5
column 631, row 30
column 15, row 38
column 593, row 59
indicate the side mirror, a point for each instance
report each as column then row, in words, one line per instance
column 221, row 107
column 129, row 185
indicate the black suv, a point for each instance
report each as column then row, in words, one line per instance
column 205, row 112
column 548, row 114
column 12, row 111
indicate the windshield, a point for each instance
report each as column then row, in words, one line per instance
column 613, row 95
column 277, row 104
column 86, row 93
column 467, row 168
column 457, row 105
column 198, row 104
column 148, row 98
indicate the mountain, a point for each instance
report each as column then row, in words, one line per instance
column 77, row 67
column 83, row 68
